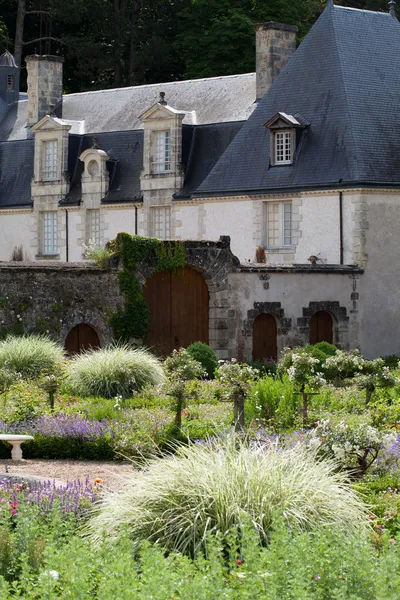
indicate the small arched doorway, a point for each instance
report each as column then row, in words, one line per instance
column 321, row 328
column 178, row 310
column 265, row 338
column 81, row 337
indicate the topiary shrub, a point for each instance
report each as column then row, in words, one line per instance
column 205, row 356
column 30, row 355
column 113, row 371
column 325, row 347
column 216, row 486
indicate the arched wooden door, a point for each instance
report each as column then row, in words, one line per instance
column 321, row 328
column 265, row 338
column 178, row 305
column 81, row 337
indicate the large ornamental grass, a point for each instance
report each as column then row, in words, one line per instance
column 113, row 371
column 30, row 355
column 221, row 485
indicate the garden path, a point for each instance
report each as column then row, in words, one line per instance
column 111, row 473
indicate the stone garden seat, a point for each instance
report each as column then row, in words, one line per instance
column 15, row 441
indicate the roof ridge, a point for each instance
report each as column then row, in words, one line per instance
column 150, row 85
column 375, row 12
column 353, row 157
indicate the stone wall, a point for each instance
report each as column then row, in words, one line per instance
column 54, row 298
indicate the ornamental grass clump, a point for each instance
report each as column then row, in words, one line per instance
column 216, row 487
column 30, row 355
column 113, row 371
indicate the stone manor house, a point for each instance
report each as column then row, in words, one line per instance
column 298, row 163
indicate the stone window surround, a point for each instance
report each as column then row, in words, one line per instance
column 339, row 317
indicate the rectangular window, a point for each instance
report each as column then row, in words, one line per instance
column 279, row 224
column 160, row 222
column 283, row 147
column 49, row 161
column 162, row 158
column 50, row 245
column 10, row 83
column 93, row 217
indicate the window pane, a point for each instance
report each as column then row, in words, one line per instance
column 283, row 147
column 94, row 226
column 273, row 223
column 160, row 222
column 162, row 162
column 279, row 224
column 50, row 233
column 287, row 224
column 49, row 161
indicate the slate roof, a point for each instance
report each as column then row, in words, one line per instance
column 214, row 100
column 344, row 79
column 16, row 161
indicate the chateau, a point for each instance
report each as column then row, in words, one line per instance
column 298, row 163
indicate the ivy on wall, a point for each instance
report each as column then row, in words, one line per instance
column 133, row 320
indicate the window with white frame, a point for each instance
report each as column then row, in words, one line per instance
column 283, row 150
column 49, row 160
column 162, row 152
column 279, row 224
column 49, row 233
column 93, row 226
column 160, row 222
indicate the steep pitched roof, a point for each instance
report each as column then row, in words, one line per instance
column 344, row 80
column 16, row 160
column 213, row 100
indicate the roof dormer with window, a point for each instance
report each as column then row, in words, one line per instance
column 285, row 133
column 51, row 157
column 162, row 154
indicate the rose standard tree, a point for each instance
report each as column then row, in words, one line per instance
column 305, row 373
column 236, row 379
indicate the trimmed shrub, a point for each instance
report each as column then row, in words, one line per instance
column 327, row 348
column 30, row 355
column 205, row 356
column 114, row 371
column 215, row 487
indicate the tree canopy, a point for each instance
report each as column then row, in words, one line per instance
column 113, row 43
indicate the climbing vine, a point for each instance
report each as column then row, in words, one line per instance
column 133, row 320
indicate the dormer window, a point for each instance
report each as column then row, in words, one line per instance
column 49, row 160
column 10, row 83
column 285, row 133
column 162, row 154
column 283, row 147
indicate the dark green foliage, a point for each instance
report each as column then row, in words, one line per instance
column 267, row 367
column 205, row 356
column 326, row 348
column 133, row 321
column 316, row 353
column 63, row 448
column 391, row 361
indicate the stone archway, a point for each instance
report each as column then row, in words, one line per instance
column 338, row 316
column 81, row 337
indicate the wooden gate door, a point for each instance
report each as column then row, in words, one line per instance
column 81, row 337
column 178, row 305
column 265, row 338
column 321, row 328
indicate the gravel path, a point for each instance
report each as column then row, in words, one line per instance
column 112, row 474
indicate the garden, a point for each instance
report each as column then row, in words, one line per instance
column 276, row 481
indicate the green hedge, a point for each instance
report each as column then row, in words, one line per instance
column 63, row 448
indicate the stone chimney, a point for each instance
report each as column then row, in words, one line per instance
column 275, row 44
column 45, row 74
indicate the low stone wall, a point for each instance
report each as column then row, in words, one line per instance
column 53, row 298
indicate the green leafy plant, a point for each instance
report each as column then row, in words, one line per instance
column 236, row 379
column 304, row 371
column 326, row 348
column 99, row 254
column 274, row 400
column 181, row 367
column 113, row 371
column 205, row 356
column 30, row 355
column 215, row 487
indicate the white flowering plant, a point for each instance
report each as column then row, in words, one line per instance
column 236, row 379
column 355, row 445
column 304, row 372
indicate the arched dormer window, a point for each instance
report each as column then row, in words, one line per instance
column 285, row 131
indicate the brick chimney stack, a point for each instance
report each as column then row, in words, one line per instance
column 45, row 76
column 275, row 44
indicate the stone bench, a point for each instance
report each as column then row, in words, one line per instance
column 15, row 441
